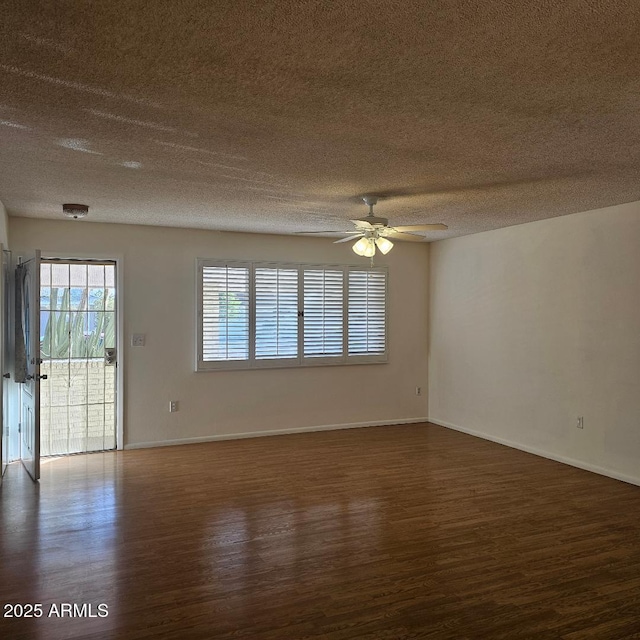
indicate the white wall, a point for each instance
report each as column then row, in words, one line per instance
column 534, row 325
column 159, row 301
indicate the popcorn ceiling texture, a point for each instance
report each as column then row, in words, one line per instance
column 274, row 116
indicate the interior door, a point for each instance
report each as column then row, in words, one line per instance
column 4, row 441
column 27, row 361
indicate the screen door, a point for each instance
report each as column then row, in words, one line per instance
column 78, row 351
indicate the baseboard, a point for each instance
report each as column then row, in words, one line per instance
column 586, row 466
column 273, row 432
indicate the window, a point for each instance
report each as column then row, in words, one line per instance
column 225, row 313
column 253, row 315
column 276, row 302
column 367, row 322
column 323, row 313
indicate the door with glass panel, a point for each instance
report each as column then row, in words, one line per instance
column 78, row 349
column 5, row 306
column 27, row 363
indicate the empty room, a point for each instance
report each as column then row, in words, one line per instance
column 320, row 320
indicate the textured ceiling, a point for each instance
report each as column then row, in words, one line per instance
column 274, row 116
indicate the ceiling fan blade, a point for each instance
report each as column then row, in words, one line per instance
column 422, row 227
column 347, row 239
column 362, row 224
column 398, row 235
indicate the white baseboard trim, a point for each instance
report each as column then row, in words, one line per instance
column 586, row 466
column 273, row 432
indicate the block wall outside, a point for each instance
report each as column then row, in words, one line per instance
column 77, row 406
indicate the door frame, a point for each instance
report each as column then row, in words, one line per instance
column 119, row 262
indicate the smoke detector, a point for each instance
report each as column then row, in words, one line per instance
column 75, row 211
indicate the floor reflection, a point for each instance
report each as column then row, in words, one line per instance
column 59, row 538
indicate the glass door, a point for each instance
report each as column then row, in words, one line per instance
column 78, row 351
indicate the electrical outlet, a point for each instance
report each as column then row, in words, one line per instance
column 137, row 340
column 580, row 424
column 418, row 391
column 173, row 406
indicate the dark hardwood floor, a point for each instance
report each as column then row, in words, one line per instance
column 381, row 533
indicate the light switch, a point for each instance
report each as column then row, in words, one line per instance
column 137, row 340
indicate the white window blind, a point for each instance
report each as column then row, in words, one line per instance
column 225, row 313
column 254, row 315
column 367, row 312
column 323, row 313
column 276, row 313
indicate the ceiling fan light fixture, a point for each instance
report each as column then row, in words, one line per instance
column 384, row 245
column 365, row 247
column 361, row 247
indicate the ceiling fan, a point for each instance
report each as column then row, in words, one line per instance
column 373, row 231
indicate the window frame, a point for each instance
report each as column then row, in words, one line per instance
column 300, row 361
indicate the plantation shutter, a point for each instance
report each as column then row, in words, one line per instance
column 225, row 313
column 268, row 314
column 367, row 313
column 276, row 296
column 323, row 313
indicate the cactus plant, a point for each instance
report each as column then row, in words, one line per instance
column 65, row 335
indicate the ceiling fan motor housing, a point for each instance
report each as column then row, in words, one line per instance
column 375, row 221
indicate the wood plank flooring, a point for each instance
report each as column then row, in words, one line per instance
column 382, row 533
